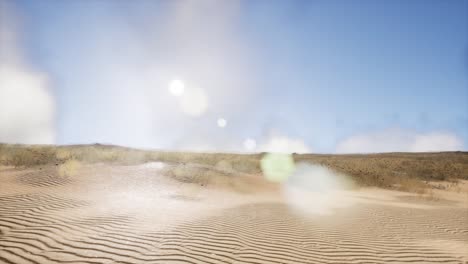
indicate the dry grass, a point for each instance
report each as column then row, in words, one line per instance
column 237, row 162
column 26, row 156
column 404, row 171
column 193, row 174
column 222, row 176
column 100, row 153
column 69, row 168
column 390, row 169
column 36, row 155
column 412, row 185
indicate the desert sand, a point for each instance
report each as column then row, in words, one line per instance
column 108, row 213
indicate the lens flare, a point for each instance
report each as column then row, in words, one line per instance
column 176, row 87
column 194, row 102
column 277, row 167
column 250, row 144
column 222, row 122
column 316, row 189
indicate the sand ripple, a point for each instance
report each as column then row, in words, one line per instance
column 64, row 220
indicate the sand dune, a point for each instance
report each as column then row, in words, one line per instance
column 145, row 214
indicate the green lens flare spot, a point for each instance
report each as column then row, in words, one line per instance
column 277, row 167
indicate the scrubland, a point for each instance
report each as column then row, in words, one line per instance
column 403, row 171
column 110, row 204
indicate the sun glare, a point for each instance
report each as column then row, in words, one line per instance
column 176, row 87
column 194, row 102
column 250, row 144
column 222, row 122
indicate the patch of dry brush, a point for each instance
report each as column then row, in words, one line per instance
column 390, row 169
column 406, row 171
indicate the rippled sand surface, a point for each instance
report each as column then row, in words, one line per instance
column 140, row 214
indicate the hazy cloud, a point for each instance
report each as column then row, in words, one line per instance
column 126, row 79
column 26, row 103
column 400, row 140
column 283, row 144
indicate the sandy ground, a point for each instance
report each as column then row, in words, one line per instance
column 140, row 214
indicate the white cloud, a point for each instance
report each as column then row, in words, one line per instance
column 194, row 102
column 399, row 140
column 250, row 144
column 26, row 104
column 436, row 142
column 282, row 144
column 26, row 107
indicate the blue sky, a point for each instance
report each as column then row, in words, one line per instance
column 320, row 76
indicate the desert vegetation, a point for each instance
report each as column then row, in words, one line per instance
column 103, row 204
column 405, row 171
column 69, row 168
column 390, row 169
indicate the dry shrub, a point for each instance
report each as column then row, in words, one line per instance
column 224, row 165
column 92, row 154
column 63, row 154
column 3, row 160
column 412, row 185
column 246, row 164
column 191, row 174
column 27, row 156
column 200, row 174
column 238, row 162
column 209, row 176
column 69, row 168
column 386, row 170
column 390, row 169
column 101, row 153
